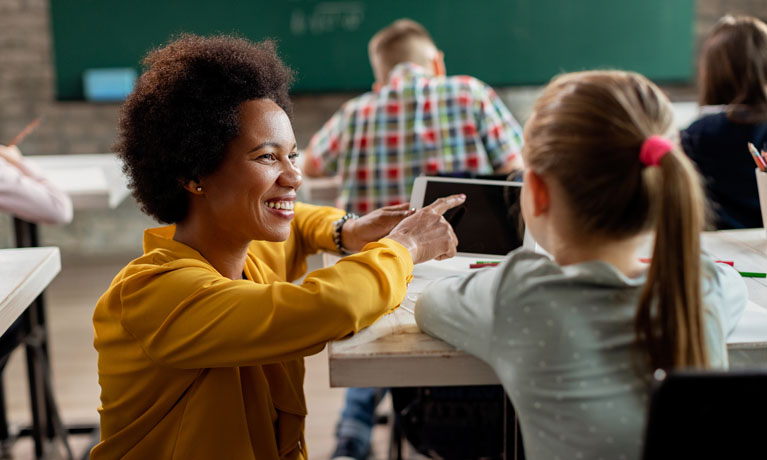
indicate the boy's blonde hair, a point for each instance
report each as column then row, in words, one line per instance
column 733, row 67
column 403, row 41
column 586, row 132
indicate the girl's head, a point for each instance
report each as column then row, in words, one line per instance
column 584, row 138
column 733, row 64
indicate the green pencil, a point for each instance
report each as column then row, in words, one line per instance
column 753, row 274
column 487, row 262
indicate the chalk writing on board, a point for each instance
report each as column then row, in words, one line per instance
column 327, row 17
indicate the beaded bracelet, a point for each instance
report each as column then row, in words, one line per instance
column 337, row 226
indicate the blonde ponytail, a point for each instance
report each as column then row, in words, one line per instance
column 669, row 319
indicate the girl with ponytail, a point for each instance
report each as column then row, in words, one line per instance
column 575, row 337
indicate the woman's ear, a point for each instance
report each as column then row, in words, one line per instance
column 539, row 192
column 193, row 187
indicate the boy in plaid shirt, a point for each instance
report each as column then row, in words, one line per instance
column 416, row 121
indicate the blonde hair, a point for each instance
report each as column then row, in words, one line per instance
column 586, row 132
column 404, row 40
column 733, row 67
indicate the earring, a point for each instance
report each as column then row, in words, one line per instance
column 199, row 188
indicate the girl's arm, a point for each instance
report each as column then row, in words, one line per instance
column 460, row 310
column 727, row 291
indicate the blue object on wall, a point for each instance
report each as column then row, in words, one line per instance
column 108, row 85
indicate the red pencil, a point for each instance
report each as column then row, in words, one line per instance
column 728, row 262
column 482, row 265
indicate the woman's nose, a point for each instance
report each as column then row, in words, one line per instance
column 291, row 175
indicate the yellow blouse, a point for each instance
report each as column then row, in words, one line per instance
column 195, row 365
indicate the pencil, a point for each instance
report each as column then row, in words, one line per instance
column 760, row 163
column 753, row 275
column 482, row 265
column 728, row 262
column 25, row 132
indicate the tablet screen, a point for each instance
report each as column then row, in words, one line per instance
column 489, row 221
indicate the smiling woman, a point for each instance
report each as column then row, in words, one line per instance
column 201, row 340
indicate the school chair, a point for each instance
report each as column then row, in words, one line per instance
column 453, row 423
column 712, row 414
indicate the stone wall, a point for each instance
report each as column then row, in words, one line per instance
column 27, row 91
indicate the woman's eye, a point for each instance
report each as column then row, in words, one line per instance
column 267, row 157
column 293, row 156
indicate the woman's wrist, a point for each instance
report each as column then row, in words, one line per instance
column 342, row 234
column 406, row 241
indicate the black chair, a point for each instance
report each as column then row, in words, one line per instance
column 455, row 423
column 718, row 415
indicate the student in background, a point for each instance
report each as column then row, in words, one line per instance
column 732, row 77
column 27, row 194
column 575, row 338
column 416, row 121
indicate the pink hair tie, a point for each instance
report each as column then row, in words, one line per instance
column 653, row 149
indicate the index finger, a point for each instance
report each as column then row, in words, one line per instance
column 440, row 205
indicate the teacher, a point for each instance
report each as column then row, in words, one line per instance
column 201, row 339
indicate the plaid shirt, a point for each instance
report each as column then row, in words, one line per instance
column 381, row 141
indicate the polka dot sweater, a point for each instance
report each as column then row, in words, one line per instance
column 561, row 340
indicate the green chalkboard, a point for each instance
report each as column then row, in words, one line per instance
column 503, row 42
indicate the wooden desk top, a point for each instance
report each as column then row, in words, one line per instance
column 93, row 181
column 24, row 274
column 394, row 352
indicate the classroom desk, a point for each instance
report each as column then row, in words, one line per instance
column 24, row 274
column 393, row 352
column 92, row 181
column 685, row 113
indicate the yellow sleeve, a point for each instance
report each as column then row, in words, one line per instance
column 186, row 315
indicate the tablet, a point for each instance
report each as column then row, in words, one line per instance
column 489, row 223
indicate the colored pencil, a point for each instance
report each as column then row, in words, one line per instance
column 25, row 132
column 482, row 265
column 753, row 275
column 728, row 262
column 760, row 162
column 487, row 262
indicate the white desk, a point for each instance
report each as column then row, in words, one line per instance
column 393, row 352
column 685, row 113
column 24, row 274
column 92, row 181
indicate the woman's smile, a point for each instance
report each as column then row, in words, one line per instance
column 282, row 206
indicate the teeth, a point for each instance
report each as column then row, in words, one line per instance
column 286, row 205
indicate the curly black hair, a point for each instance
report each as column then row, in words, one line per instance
column 184, row 110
